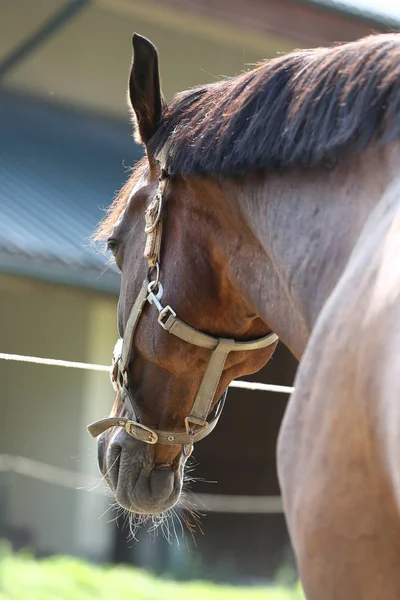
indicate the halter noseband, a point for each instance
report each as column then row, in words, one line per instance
column 196, row 424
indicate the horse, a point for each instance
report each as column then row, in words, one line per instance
column 268, row 205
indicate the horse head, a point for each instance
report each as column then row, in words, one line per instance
column 187, row 325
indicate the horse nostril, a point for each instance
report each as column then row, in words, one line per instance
column 101, row 454
column 114, row 462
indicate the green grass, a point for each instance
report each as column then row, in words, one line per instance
column 22, row 577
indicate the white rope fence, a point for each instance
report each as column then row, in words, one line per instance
column 221, row 503
column 248, row 385
column 53, row 362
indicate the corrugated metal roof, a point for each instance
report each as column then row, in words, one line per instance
column 59, row 169
column 381, row 13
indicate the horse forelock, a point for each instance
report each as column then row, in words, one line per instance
column 310, row 107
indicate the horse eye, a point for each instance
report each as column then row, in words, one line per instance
column 112, row 246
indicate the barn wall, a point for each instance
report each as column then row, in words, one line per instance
column 45, row 411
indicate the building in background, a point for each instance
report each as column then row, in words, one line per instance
column 65, row 148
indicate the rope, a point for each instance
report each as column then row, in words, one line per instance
column 73, row 480
column 248, row 385
column 262, row 387
column 54, row 362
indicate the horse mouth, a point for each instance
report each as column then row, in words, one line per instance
column 139, row 489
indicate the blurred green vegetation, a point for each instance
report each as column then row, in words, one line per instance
column 22, row 577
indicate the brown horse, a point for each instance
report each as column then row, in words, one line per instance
column 271, row 203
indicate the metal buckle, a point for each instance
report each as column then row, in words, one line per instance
column 192, row 432
column 155, row 298
column 164, row 315
column 152, row 436
column 117, row 376
column 164, row 312
column 149, row 228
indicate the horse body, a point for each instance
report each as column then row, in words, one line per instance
column 339, row 443
column 267, row 237
column 338, row 447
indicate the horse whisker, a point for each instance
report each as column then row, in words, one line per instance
column 103, row 477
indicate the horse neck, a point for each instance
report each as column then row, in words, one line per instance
column 307, row 223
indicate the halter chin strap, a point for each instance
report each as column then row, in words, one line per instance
column 196, row 424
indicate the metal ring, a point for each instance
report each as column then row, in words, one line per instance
column 149, row 228
column 187, row 453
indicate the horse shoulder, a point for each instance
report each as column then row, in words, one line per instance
column 339, row 444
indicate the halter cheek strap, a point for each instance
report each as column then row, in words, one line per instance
column 196, row 424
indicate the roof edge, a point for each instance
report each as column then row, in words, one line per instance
column 342, row 8
column 91, row 279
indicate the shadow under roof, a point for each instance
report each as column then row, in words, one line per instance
column 59, row 170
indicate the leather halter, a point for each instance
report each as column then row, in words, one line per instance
column 196, row 424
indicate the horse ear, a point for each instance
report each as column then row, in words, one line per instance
column 144, row 88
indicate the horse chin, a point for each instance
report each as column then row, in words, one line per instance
column 139, row 489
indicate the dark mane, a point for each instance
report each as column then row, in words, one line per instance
column 309, row 107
